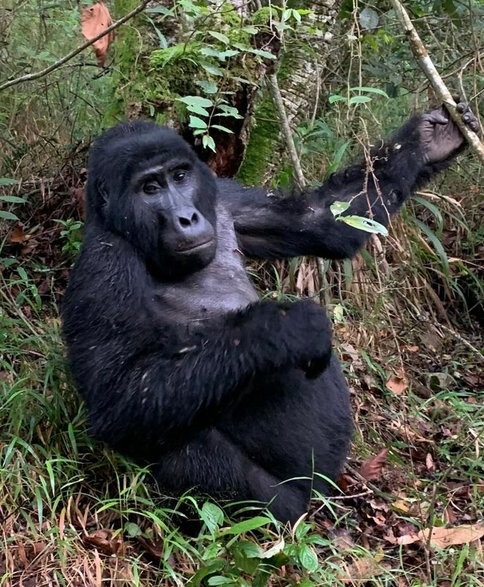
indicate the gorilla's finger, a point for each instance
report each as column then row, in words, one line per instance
column 437, row 117
column 474, row 125
column 461, row 107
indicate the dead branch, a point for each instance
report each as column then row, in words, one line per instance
column 431, row 73
column 33, row 76
column 286, row 130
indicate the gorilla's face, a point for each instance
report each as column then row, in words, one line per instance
column 176, row 201
column 153, row 190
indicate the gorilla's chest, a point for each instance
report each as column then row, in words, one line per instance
column 221, row 287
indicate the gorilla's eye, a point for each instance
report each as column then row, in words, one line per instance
column 179, row 175
column 150, row 188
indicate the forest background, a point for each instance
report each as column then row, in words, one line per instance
column 407, row 311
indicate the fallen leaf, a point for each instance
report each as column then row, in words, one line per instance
column 429, row 462
column 443, row 537
column 94, row 20
column 18, row 234
column 371, row 468
column 401, row 506
column 364, row 568
column 154, row 548
column 398, row 383
column 106, row 541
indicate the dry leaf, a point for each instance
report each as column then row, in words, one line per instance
column 429, row 462
column 398, row 383
column 444, row 537
column 94, row 20
column 371, row 468
column 18, row 234
column 106, row 541
column 364, row 568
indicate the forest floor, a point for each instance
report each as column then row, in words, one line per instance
column 409, row 507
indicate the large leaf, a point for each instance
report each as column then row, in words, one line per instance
column 364, row 224
column 247, row 525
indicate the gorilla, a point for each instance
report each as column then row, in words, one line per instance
column 180, row 365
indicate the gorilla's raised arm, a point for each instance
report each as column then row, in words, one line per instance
column 270, row 224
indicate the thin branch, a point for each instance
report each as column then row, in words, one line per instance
column 286, row 130
column 33, row 76
column 431, row 73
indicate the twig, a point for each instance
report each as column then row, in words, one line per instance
column 33, row 76
column 286, row 130
column 431, row 73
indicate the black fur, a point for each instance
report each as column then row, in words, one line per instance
column 178, row 362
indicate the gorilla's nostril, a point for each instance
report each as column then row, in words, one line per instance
column 185, row 222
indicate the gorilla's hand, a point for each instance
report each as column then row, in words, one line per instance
column 309, row 336
column 440, row 136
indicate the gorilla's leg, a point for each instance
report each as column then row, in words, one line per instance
column 212, row 464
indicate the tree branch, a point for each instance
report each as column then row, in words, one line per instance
column 33, row 76
column 431, row 73
column 286, row 130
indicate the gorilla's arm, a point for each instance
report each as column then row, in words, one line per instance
column 270, row 224
column 149, row 382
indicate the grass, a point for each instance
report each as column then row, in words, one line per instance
column 74, row 513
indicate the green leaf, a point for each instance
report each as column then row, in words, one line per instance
column 359, row 99
column 433, row 209
column 208, row 143
column 13, row 199
column 222, row 128
column 251, row 30
column 220, row 37
column 196, row 122
column 242, row 47
column 261, row 53
column 212, row 516
column 247, row 525
column 198, row 110
column 211, row 69
column 228, row 111
column 228, row 53
column 339, row 207
column 336, row 98
column 210, row 52
column 439, row 249
column 196, row 101
column 7, row 215
column 220, row 580
column 248, row 549
column 365, row 224
column 307, row 557
column 133, row 529
column 369, row 90
column 212, row 567
column 7, row 181
column 207, row 86
column 295, row 14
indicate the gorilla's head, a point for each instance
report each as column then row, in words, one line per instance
column 146, row 184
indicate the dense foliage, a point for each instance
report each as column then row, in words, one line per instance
column 406, row 312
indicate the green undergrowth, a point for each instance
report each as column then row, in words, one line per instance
column 71, row 508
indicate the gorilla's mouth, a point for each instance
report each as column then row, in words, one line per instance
column 192, row 248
